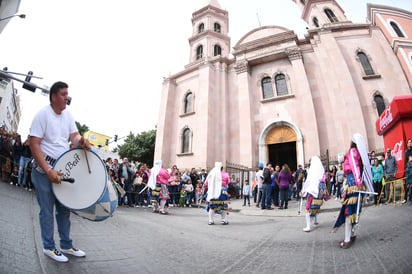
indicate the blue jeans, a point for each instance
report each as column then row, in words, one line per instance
column 128, row 189
column 47, row 201
column 23, row 170
column 266, row 197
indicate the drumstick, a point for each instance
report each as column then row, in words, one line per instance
column 143, row 189
column 87, row 161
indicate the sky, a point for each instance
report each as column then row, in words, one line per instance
column 115, row 54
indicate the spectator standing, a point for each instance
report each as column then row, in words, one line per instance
column 340, row 174
column 189, row 193
column 259, row 182
column 142, row 173
column 24, row 160
column 246, row 193
column 276, row 188
column 267, row 187
column 285, row 177
column 17, row 152
column 299, row 175
column 6, row 159
column 125, row 175
column 408, row 152
column 390, row 169
column 409, row 178
column 377, row 175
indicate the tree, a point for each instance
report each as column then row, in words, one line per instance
column 81, row 128
column 138, row 147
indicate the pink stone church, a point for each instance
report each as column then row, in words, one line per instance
column 273, row 97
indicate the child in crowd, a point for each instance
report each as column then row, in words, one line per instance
column 246, row 193
column 409, row 179
column 189, row 193
column 198, row 193
column 182, row 198
column 14, row 176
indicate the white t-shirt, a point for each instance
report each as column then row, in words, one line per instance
column 259, row 178
column 54, row 130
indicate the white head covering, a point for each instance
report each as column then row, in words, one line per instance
column 315, row 175
column 214, row 179
column 367, row 170
column 153, row 174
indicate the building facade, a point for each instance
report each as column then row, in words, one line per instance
column 274, row 97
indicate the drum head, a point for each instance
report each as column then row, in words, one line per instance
column 87, row 187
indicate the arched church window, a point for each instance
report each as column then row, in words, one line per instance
column 397, row 29
column 267, row 89
column 199, row 52
column 380, row 104
column 331, row 16
column 367, row 68
column 281, row 85
column 186, row 141
column 217, row 27
column 316, row 22
column 189, row 102
column 201, row 28
column 217, row 50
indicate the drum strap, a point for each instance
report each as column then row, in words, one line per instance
column 50, row 161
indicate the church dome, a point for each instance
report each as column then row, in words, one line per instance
column 261, row 33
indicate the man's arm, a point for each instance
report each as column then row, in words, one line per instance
column 37, row 154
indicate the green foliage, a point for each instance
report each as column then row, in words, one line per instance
column 81, row 128
column 138, row 147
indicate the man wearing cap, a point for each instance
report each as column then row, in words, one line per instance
column 390, row 169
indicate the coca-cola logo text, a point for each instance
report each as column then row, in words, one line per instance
column 386, row 119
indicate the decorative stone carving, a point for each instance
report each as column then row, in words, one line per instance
column 293, row 53
column 242, row 66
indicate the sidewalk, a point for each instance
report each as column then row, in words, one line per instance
column 292, row 211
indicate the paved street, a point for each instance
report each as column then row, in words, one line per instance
column 135, row 240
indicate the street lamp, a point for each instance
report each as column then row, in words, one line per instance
column 19, row 15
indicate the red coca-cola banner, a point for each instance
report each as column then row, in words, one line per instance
column 395, row 124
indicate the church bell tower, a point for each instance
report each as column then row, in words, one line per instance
column 318, row 13
column 210, row 33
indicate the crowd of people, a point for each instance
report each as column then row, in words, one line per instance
column 184, row 188
column 15, row 159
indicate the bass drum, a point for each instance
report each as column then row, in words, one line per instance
column 92, row 194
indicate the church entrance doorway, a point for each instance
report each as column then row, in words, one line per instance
column 281, row 147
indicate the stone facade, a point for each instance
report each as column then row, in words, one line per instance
column 278, row 98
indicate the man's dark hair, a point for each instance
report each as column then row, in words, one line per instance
column 56, row 87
